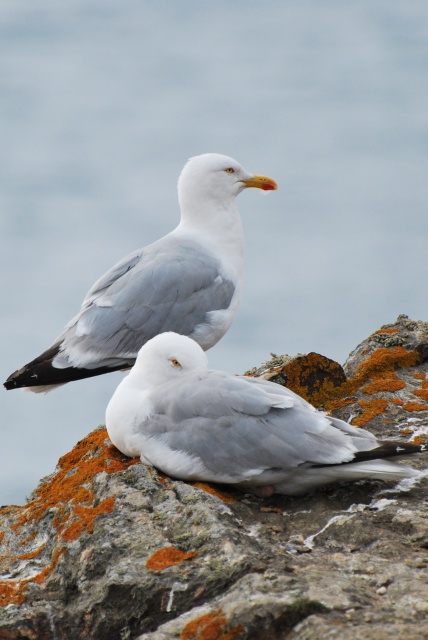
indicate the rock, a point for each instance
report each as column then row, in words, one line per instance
column 108, row 548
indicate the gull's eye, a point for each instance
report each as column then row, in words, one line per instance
column 175, row 363
column 230, row 170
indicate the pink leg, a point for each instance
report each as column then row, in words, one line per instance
column 265, row 491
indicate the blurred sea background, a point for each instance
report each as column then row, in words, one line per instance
column 101, row 104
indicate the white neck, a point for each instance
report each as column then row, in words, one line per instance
column 216, row 226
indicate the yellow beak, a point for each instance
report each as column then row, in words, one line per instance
column 261, row 182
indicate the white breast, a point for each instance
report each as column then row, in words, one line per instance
column 127, row 409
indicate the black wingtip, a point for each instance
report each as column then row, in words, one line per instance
column 385, row 449
column 34, row 373
column 10, row 383
column 389, row 449
column 41, row 373
column 19, row 378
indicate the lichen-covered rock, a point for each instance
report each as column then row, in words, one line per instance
column 108, row 548
column 383, row 385
column 389, row 382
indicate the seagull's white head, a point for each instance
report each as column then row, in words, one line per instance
column 216, row 179
column 168, row 357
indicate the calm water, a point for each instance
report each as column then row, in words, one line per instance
column 102, row 103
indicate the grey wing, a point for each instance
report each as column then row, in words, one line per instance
column 168, row 286
column 110, row 277
column 240, row 428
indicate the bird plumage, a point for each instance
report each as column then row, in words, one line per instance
column 198, row 424
column 188, row 282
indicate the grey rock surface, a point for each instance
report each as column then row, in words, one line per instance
column 108, row 548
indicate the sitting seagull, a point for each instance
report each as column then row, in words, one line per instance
column 197, row 424
column 188, row 281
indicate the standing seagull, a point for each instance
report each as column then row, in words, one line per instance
column 197, row 424
column 188, row 282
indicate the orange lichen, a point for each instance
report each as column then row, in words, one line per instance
column 86, row 519
column 29, row 538
column 69, row 492
column 378, row 373
column 395, row 330
column 168, row 557
column 419, row 376
column 41, row 577
column 383, row 360
column 421, row 393
column 406, row 432
column 163, row 479
column 323, row 383
column 1, row 536
column 318, row 380
column 389, row 382
column 397, row 401
column 64, row 491
column 32, row 554
column 211, row 626
column 339, row 403
column 315, row 378
column 372, row 408
column 13, row 591
column 421, row 439
column 225, row 497
column 415, row 406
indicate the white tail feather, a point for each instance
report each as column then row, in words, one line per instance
column 44, row 388
column 303, row 480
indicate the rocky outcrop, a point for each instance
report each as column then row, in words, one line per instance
column 108, row 548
